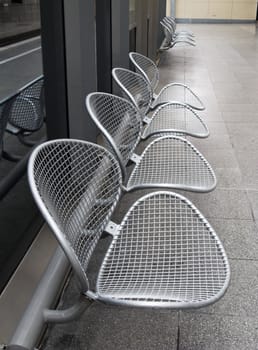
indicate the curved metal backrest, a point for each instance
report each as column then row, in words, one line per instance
column 167, row 32
column 27, row 110
column 76, row 185
column 171, row 21
column 168, row 24
column 120, row 122
column 135, row 88
column 146, row 67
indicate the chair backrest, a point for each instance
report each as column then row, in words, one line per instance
column 27, row 110
column 167, row 32
column 76, row 185
column 135, row 88
column 146, row 67
column 168, row 25
column 119, row 121
column 171, row 21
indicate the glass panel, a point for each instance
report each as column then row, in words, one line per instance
column 22, row 115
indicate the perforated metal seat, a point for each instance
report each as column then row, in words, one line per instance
column 163, row 254
column 169, row 161
column 172, row 161
column 170, row 92
column 171, row 118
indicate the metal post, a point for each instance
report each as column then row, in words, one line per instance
column 31, row 325
column 104, row 45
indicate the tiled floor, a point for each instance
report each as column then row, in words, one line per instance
column 223, row 69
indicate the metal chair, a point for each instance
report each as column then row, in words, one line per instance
column 170, row 92
column 177, row 35
column 172, row 21
column 164, row 254
column 3, row 123
column 171, row 40
column 26, row 114
column 169, row 161
column 170, row 118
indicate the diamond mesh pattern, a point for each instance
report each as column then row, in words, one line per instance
column 178, row 118
column 166, row 254
column 78, row 184
column 181, row 93
column 135, row 88
column 27, row 110
column 147, row 67
column 174, row 162
column 119, row 120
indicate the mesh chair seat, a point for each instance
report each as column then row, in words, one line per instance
column 170, row 118
column 178, row 92
column 165, row 255
column 176, row 118
column 172, row 161
column 171, row 92
column 168, row 161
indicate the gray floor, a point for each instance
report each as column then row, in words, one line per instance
column 223, row 69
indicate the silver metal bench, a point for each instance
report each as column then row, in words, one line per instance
column 177, row 35
column 170, row 92
column 172, row 21
column 164, row 253
column 170, row 118
column 171, row 40
column 169, row 161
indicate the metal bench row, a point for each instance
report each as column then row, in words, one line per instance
column 164, row 253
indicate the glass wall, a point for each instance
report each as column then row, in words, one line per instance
column 22, row 125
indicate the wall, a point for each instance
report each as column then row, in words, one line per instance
column 216, row 9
